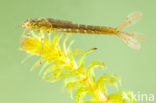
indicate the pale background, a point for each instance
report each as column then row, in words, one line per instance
column 137, row 69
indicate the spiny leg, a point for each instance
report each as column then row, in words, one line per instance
column 26, row 58
column 29, row 32
column 63, row 37
column 23, row 32
column 42, row 43
column 64, row 40
column 48, row 34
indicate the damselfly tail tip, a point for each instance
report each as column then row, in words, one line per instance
column 131, row 39
column 131, row 19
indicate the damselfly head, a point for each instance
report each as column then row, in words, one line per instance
column 27, row 24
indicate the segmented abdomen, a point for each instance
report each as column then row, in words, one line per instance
column 80, row 28
column 69, row 27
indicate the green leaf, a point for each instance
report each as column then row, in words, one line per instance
column 69, row 46
column 81, row 68
column 108, row 78
column 77, row 52
column 49, row 70
column 83, row 56
column 64, row 44
column 70, row 83
column 91, row 101
column 96, row 64
column 80, row 94
column 43, row 67
column 58, row 74
column 90, row 70
column 55, row 39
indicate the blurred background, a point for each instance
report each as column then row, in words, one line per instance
column 137, row 68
